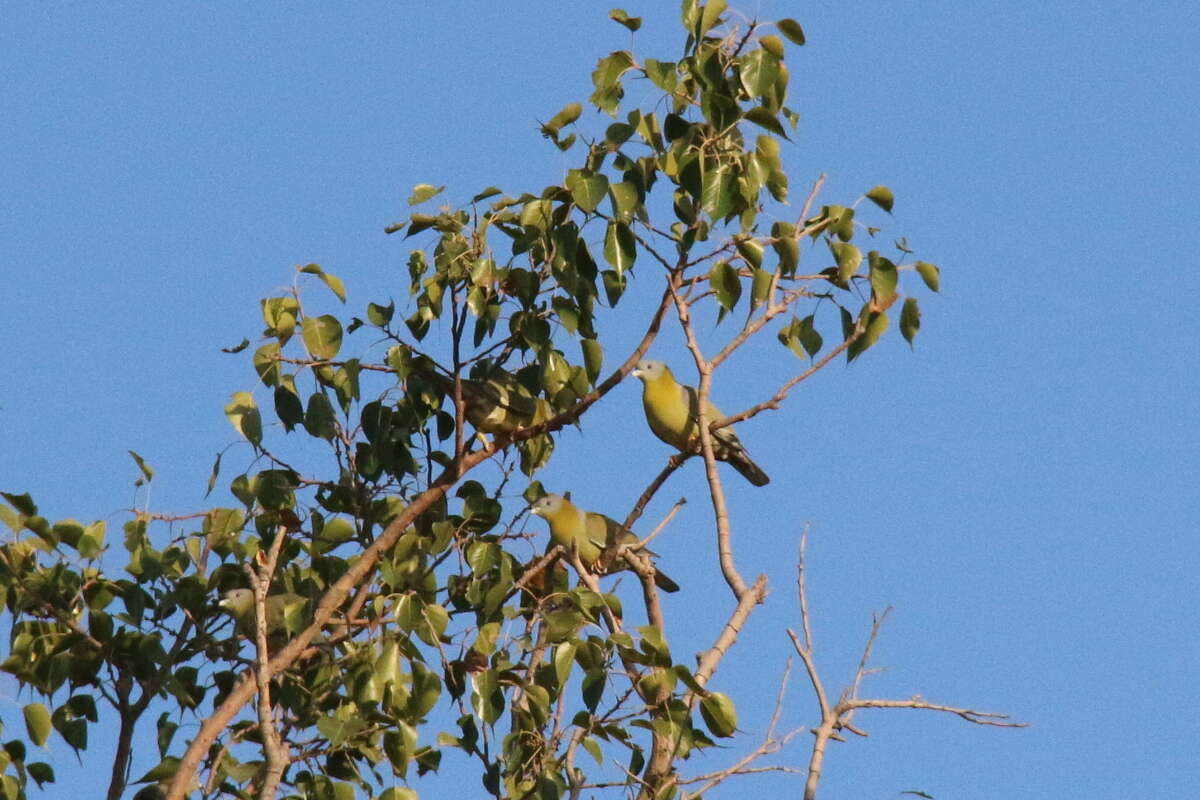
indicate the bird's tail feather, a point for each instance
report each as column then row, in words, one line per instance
column 665, row 583
column 748, row 469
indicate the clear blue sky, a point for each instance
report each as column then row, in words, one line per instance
column 1022, row 487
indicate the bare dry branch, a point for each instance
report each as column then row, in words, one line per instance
column 838, row 717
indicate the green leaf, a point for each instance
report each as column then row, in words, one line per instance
column 41, row 772
column 422, row 192
column 882, row 197
column 147, row 472
column 91, row 543
column 719, row 714
column 279, row 314
column 772, row 44
column 607, row 80
column 930, row 274
column 614, row 286
column 399, row 793
column 759, row 287
column 587, row 190
column 166, row 732
column 719, row 109
column 237, row 348
column 23, row 503
column 876, row 324
column 490, row 191
column 318, row 419
column 662, row 74
column 624, row 199
column 725, row 282
column 37, row 723
column 758, row 70
column 792, row 30
column 322, row 336
column 710, row 16
column 593, row 358
column 288, row 407
column 619, row 15
column 751, row 250
column 785, row 246
column 620, row 247
column 566, row 116
column 765, row 118
column 212, row 478
column 910, row 320
column 883, row 276
column 242, row 413
column 332, row 281
column 849, row 259
column 809, row 338
column 716, row 195
column 266, row 363
column 564, row 659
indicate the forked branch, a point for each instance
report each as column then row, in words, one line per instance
column 837, row 717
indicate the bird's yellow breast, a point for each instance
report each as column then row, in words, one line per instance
column 667, row 411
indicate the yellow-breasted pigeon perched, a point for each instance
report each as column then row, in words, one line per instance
column 590, row 534
column 240, row 605
column 672, row 411
column 497, row 405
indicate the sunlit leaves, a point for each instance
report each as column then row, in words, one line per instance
column 423, row 192
column 765, row 118
column 710, row 15
column 266, row 363
column 883, row 277
column 607, row 80
column 625, row 199
column 593, row 358
column 280, row 313
column 243, row 415
column 848, row 258
column 719, row 714
column 930, row 274
column 872, row 325
column 620, row 247
column 498, row 287
column 785, row 246
column 334, row 283
column 568, row 115
column 760, row 287
column 619, row 15
column 792, row 30
column 801, row 337
column 751, row 250
column 322, row 336
column 147, row 472
column 727, row 285
column 882, row 197
column 37, row 723
column 587, row 189
column 758, row 71
column 662, row 74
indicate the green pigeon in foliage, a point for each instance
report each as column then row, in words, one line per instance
column 499, row 404
column 239, row 603
column 590, row 534
column 673, row 410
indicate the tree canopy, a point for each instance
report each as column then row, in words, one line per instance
column 381, row 606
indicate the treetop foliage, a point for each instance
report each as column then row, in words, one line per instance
column 417, row 627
